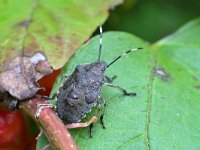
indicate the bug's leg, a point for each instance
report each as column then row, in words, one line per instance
column 13, row 103
column 85, row 124
column 102, row 121
column 80, row 124
column 100, row 105
column 41, row 107
column 102, row 109
column 64, row 76
column 50, row 98
column 90, row 129
column 121, row 89
column 104, row 101
column 110, row 79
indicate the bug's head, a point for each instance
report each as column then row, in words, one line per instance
column 90, row 71
column 96, row 67
column 93, row 68
column 101, row 66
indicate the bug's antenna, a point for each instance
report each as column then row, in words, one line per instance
column 135, row 49
column 100, row 46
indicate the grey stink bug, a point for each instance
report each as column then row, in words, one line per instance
column 81, row 91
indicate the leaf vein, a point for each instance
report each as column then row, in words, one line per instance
column 129, row 141
column 34, row 7
column 149, row 108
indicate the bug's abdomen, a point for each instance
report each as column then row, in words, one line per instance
column 76, row 101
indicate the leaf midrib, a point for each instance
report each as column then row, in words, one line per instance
column 149, row 106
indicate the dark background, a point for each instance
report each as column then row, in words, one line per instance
column 152, row 19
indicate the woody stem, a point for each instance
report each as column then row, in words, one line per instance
column 54, row 129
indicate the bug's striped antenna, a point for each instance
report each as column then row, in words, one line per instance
column 100, row 46
column 135, row 49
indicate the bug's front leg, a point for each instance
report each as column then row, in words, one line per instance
column 121, row 89
column 110, row 79
column 43, row 106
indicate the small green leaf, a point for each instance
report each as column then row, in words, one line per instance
column 42, row 143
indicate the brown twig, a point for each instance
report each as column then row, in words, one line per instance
column 56, row 132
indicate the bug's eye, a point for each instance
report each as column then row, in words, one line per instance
column 103, row 69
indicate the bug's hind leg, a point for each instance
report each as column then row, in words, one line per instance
column 121, row 89
column 110, row 79
column 85, row 124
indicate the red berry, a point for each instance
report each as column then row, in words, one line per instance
column 13, row 132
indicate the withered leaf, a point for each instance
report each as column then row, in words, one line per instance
column 20, row 79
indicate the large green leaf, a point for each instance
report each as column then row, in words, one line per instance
column 175, row 106
column 133, row 73
column 164, row 114
column 55, row 27
column 125, row 117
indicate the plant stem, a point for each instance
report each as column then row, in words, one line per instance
column 56, row 132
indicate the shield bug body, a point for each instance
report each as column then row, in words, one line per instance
column 81, row 90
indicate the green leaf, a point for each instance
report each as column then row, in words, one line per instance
column 175, row 106
column 165, row 76
column 42, row 143
column 56, row 28
column 125, row 117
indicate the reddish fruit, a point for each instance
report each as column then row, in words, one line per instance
column 13, row 132
column 47, row 82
